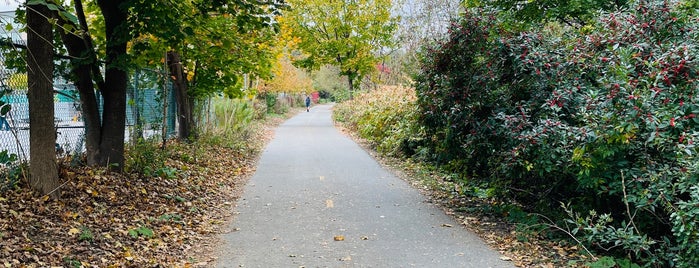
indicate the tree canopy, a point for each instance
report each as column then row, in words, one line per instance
column 107, row 40
column 219, row 41
column 348, row 34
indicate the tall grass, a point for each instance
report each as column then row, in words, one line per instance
column 233, row 115
column 233, row 123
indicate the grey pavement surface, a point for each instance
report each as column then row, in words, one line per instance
column 313, row 184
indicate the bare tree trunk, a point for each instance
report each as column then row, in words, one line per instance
column 104, row 136
column 84, row 73
column 111, row 148
column 185, row 106
column 88, row 99
column 43, row 169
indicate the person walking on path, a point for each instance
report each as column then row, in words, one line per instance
column 308, row 103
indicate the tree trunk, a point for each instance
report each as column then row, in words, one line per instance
column 82, row 71
column 43, row 169
column 85, row 74
column 350, row 81
column 111, row 149
column 185, row 107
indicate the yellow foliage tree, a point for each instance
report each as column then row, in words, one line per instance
column 287, row 78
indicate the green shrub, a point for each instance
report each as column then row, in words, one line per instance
column 86, row 234
column 279, row 103
column 147, row 158
column 11, row 171
column 387, row 117
column 233, row 115
column 141, row 231
column 603, row 118
column 234, row 125
column 270, row 100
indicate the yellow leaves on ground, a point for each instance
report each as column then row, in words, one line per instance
column 73, row 231
column 91, row 192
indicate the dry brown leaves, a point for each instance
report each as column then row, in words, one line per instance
column 108, row 219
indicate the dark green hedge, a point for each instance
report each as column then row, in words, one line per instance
column 600, row 119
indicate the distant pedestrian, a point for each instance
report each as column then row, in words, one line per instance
column 308, row 103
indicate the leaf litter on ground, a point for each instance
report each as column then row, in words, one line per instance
column 106, row 219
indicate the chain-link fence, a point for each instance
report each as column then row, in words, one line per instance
column 151, row 111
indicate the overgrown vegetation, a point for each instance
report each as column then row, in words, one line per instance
column 330, row 85
column 594, row 127
column 387, row 118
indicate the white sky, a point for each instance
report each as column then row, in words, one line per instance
column 9, row 5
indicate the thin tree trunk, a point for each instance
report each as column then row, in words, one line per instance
column 88, row 98
column 43, row 169
column 185, row 107
column 83, row 72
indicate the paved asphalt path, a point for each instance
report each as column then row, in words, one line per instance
column 313, row 184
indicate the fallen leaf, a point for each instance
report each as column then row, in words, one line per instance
column 73, row 231
column 339, row 238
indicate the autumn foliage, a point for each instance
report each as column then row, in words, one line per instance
column 386, row 117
